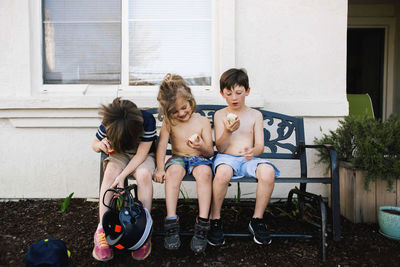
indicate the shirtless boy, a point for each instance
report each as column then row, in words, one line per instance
column 239, row 140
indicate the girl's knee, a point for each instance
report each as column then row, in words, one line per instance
column 175, row 170
column 202, row 173
column 174, row 175
column 265, row 173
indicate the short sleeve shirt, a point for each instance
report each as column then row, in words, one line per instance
column 149, row 125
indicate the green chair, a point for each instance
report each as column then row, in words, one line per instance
column 360, row 105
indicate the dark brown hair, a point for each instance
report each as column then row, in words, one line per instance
column 172, row 88
column 124, row 124
column 233, row 77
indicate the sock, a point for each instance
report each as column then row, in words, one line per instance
column 172, row 218
column 99, row 226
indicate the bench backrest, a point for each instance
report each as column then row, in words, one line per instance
column 283, row 134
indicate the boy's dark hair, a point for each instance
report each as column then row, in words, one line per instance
column 124, row 124
column 233, row 77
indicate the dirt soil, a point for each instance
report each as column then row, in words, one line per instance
column 25, row 222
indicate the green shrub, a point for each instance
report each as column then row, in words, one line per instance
column 369, row 144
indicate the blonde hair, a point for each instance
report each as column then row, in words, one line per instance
column 172, row 88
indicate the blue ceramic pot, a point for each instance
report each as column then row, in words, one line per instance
column 389, row 221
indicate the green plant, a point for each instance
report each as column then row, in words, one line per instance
column 65, row 203
column 184, row 194
column 237, row 197
column 369, row 144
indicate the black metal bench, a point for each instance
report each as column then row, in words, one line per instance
column 284, row 140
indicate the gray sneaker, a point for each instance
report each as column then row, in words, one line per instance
column 199, row 240
column 172, row 240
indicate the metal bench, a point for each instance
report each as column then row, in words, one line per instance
column 284, row 140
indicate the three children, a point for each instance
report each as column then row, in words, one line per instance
column 238, row 142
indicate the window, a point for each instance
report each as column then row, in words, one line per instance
column 88, row 42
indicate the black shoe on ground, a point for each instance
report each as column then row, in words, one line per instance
column 171, row 239
column 259, row 230
column 199, row 240
column 216, row 235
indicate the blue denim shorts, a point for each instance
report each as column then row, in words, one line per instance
column 187, row 162
column 241, row 167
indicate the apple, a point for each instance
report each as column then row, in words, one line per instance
column 194, row 138
column 231, row 117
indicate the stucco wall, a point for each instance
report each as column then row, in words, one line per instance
column 294, row 51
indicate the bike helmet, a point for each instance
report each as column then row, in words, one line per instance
column 126, row 223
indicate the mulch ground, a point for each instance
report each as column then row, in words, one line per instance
column 25, row 222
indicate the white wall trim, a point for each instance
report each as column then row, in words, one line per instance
column 389, row 24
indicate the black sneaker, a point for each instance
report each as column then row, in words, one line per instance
column 199, row 240
column 171, row 239
column 216, row 235
column 258, row 229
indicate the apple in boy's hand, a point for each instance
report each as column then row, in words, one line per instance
column 194, row 138
column 231, row 117
column 111, row 151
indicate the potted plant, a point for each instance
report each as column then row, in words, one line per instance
column 369, row 155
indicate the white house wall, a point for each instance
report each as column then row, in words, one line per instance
column 293, row 50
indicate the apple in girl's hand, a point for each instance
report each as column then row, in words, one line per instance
column 111, row 151
column 231, row 117
column 194, row 138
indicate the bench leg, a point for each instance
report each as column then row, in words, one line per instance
column 316, row 199
column 323, row 228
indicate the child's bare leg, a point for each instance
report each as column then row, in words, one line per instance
column 203, row 176
column 266, row 176
column 219, row 189
column 145, row 186
column 112, row 170
column 173, row 179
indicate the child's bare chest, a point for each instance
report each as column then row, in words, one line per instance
column 185, row 130
column 246, row 127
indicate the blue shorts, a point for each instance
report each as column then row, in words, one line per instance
column 241, row 167
column 187, row 162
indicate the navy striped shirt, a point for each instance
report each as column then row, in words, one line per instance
column 149, row 125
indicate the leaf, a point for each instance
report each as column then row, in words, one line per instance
column 65, row 203
column 120, row 201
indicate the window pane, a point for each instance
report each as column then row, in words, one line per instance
column 169, row 36
column 82, row 41
column 169, row 9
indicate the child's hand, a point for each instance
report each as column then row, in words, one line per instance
column 232, row 126
column 105, row 146
column 118, row 182
column 248, row 153
column 195, row 143
column 159, row 176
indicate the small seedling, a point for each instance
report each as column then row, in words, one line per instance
column 66, row 201
column 237, row 197
column 185, row 195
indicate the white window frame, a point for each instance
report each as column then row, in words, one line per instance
column 223, row 57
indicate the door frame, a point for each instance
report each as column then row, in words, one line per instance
column 389, row 25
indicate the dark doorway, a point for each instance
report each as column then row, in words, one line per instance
column 365, row 54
